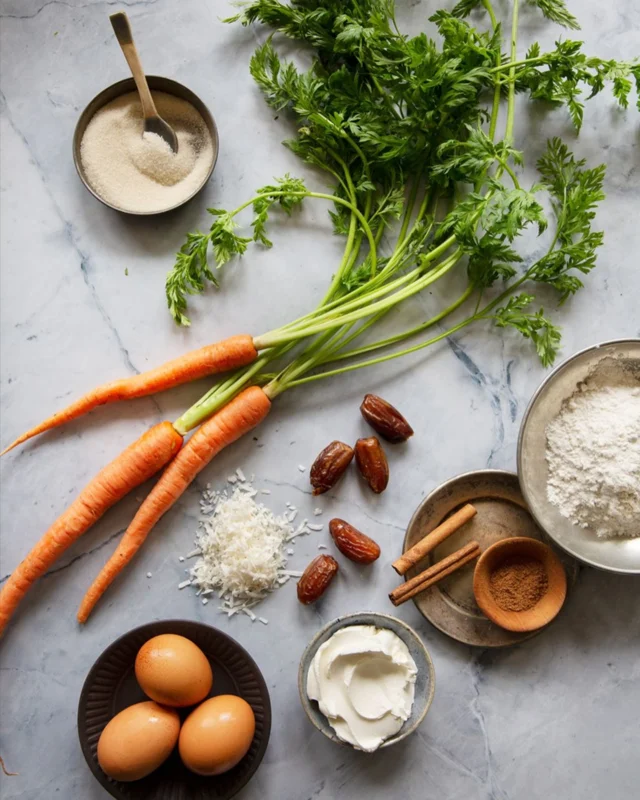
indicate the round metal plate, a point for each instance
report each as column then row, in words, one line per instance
column 613, row 555
column 502, row 513
column 111, row 686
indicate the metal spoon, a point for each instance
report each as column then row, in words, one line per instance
column 153, row 122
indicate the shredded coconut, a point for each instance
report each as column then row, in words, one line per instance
column 593, row 453
column 302, row 529
column 241, row 547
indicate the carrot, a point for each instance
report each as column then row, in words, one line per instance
column 230, row 353
column 242, row 414
column 6, row 772
column 132, row 467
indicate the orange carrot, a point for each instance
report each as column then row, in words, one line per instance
column 242, row 414
column 132, row 467
column 220, row 357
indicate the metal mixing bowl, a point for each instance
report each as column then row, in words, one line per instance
column 158, row 84
column 615, row 554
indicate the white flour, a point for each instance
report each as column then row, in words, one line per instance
column 593, row 455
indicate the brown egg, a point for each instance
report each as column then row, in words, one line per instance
column 173, row 670
column 216, row 736
column 137, row 740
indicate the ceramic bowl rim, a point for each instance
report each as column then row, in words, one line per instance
column 117, row 89
column 381, row 621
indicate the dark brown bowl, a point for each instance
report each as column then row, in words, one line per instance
column 111, row 686
column 159, row 84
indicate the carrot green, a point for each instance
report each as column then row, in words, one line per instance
column 406, row 129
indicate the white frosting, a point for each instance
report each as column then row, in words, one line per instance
column 363, row 679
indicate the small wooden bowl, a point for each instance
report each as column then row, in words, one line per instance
column 549, row 604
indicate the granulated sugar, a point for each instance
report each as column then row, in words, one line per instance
column 138, row 171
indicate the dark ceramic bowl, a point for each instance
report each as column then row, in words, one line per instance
column 111, row 686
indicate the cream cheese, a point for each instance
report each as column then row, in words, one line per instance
column 363, row 679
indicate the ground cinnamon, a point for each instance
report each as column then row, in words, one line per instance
column 517, row 583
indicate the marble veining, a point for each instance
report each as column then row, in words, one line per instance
column 82, row 302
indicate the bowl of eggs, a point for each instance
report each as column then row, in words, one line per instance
column 174, row 709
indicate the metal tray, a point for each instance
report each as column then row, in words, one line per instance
column 502, row 513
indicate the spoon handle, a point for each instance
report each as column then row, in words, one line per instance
column 122, row 30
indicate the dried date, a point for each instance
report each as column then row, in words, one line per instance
column 372, row 463
column 329, row 466
column 385, row 419
column 353, row 544
column 316, row 578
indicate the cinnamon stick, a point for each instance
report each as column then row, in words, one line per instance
column 435, row 573
column 433, row 539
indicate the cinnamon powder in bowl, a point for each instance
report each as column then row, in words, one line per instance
column 520, row 583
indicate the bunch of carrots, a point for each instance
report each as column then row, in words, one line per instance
column 161, row 446
column 388, row 166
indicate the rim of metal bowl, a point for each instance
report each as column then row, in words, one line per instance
column 344, row 621
column 160, row 84
column 550, row 378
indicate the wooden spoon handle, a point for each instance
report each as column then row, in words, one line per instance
column 122, row 30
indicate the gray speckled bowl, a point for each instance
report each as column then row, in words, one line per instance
column 425, row 679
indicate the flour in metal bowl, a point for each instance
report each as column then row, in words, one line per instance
column 593, row 453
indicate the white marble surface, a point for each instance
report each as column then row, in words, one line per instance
column 557, row 716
